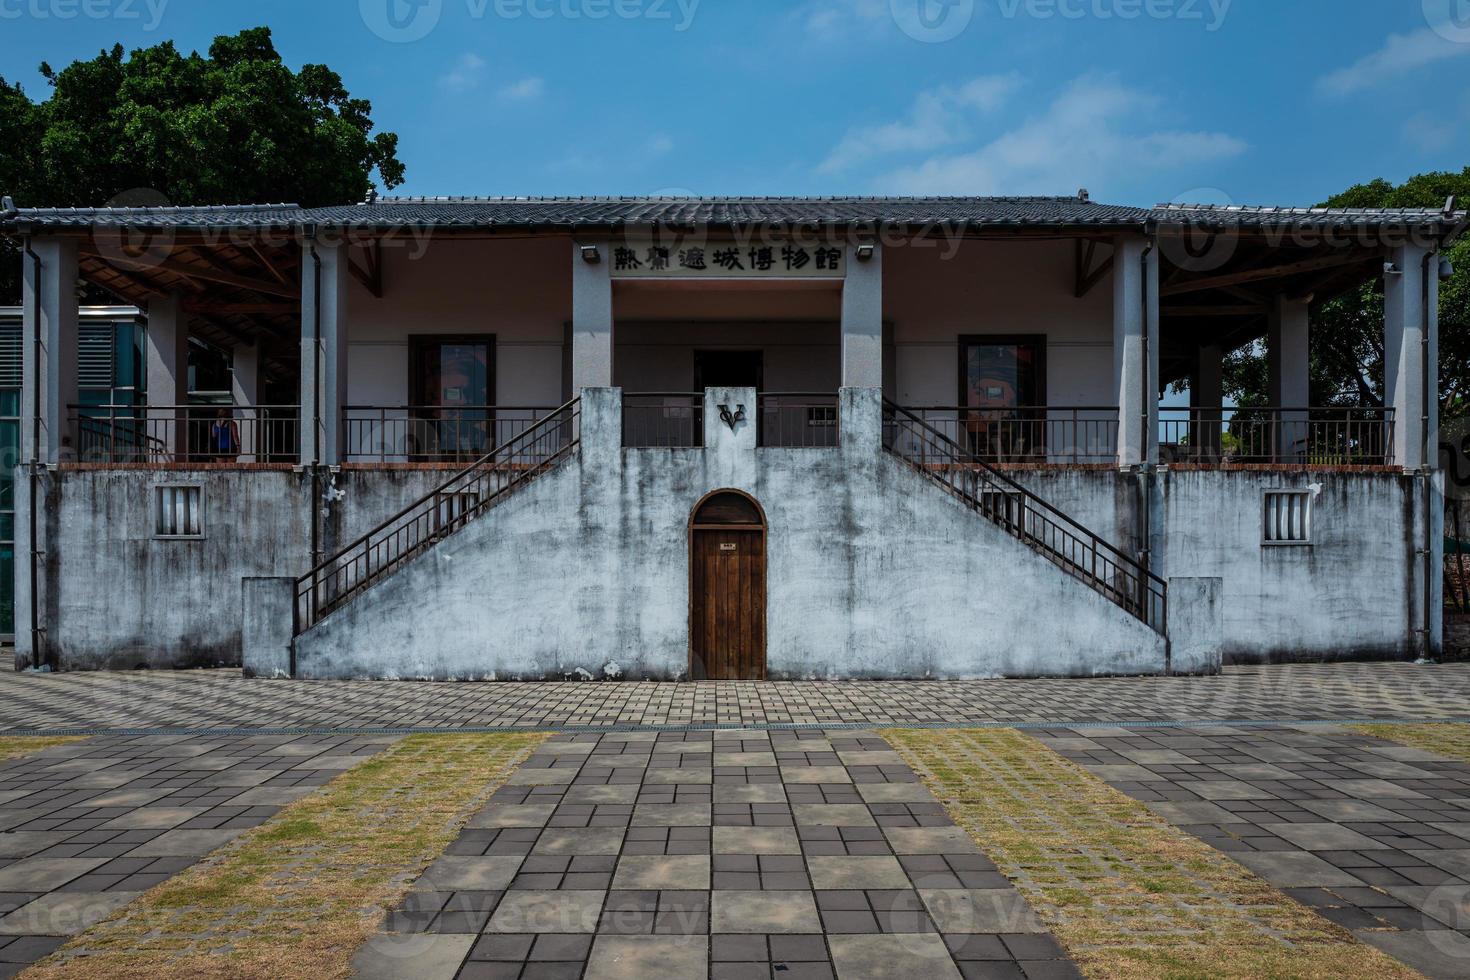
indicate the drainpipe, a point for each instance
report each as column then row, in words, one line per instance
column 38, row 651
column 316, row 422
column 1145, row 554
column 1427, row 462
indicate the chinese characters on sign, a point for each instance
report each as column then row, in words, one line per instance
column 726, row 260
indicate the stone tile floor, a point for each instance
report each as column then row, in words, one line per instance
column 221, row 699
column 1374, row 836
column 729, row 855
column 87, row 827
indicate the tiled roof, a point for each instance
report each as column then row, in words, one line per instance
column 613, row 212
column 1248, row 216
column 618, row 212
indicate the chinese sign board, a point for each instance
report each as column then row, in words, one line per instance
column 726, row 260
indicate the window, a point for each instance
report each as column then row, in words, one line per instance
column 1287, row 517
column 178, row 512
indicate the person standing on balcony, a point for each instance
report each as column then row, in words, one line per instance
column 224, row 436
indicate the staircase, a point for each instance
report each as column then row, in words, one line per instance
column 1019, row 512
column 438, row 514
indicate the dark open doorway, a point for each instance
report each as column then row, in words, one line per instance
column 728, row 369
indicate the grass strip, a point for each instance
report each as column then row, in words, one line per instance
column 1128, row 894
column 297, row 895
column 15, row 746
column 1447, row 739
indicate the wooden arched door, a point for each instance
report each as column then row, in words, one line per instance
column 727, row 588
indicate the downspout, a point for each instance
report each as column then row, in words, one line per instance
column 316, row 423
column 1426, row 461
column 38, row 651
column 1145, row 554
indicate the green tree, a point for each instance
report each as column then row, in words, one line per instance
column 234, row 126
column 1347, row 333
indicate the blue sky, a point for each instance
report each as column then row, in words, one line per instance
column 1250, row 101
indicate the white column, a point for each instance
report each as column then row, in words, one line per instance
column 255, row 433
column 323, row 359
column 1404, row 354
column 592, row 317
column 50, row 314
column 862, row 320
column 1207, row 398
column 167, row 355
column 1288, row 361
column 1129, row 380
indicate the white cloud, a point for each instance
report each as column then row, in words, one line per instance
column 835, row 20
column 1400, row 54
column 466, row 74
column 525, row 90
column 938, row 117
column 657, row 145
column 1095, row 130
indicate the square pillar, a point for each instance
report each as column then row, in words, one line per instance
column 862, row 320
column 1207, row 398
column 592, row 317
column 255, row 430
column 1130, row 365
column 601, row 433
column 324, row 275
column 1288, row 361
column 1410, row 388
column 167, row 356
column 49, row 374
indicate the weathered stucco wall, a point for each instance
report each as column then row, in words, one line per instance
column 872, row 572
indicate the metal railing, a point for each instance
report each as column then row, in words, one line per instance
column 184, row 433
column 1332, row 436
column 1029, row 434
column 436, row 515
column 426, row 433
column 797, row 420
column 1019, row 512
column 663, row 420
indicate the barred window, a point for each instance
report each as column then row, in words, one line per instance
column 1287, row 517
column 178, row 512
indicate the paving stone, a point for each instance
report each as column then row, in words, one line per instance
column 755, row 840
column 423, row 957
column 640, row 957
column 857, row 872
column 763, row 912
column 64, row 913
column 547, row 911
column 892, row 957
column 685, row 871
column 471, row 873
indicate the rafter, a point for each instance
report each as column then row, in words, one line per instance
column 207, row 274
column 1264, row 272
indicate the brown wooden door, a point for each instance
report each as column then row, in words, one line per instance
column 727, row 616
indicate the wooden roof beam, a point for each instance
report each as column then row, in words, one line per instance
column 207, row 274
column 1264, row 272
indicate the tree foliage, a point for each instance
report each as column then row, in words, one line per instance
column 234, row 126
column 1347, row 333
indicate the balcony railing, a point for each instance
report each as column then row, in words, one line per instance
column 432, row 434
column 159, row 434
column 1038, row 434
column 797, row 420
column 663, row 420
column 1308, row 436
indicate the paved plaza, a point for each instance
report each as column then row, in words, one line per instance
column 692, row 847
column 221, row 699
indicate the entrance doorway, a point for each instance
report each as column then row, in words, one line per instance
column 727, row 588
column 728, row 369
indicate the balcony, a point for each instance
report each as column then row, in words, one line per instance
column 784, row 420
column 432, row 434
column 1039, row 435
column 1283, row 436
column 181, row 434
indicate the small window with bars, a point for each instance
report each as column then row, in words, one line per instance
column 1287, row 517
column 178, row 512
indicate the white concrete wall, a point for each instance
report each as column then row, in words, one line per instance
column 873, row 572
column 519, row 290
column 1012, row 287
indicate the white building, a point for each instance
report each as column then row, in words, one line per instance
column 735, row 437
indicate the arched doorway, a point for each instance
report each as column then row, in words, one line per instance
column 727, row 588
